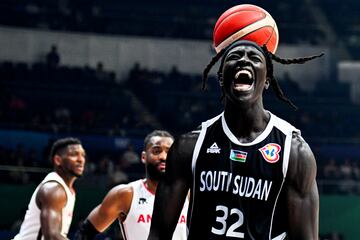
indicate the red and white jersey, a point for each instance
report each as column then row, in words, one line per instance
column 31, row 227
column 137, row 223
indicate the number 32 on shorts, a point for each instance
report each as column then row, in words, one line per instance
column 222, row 219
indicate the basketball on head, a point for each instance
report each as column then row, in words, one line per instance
column 246, row 22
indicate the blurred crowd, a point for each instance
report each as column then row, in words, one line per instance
column 340, row 177
column 52, row 97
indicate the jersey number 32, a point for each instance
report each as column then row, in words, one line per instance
column 222, row 219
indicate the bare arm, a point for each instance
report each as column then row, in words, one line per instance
column 115, row 204
column 51, row 198
column 173, row 189
column 302, row 192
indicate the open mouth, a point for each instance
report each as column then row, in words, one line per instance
column 244, row 80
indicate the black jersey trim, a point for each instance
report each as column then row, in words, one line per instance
column 122, row 228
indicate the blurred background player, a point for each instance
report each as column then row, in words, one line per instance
column 50, row 210
column 132, row 203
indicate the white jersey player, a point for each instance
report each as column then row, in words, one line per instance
column 132, row 204
column 50, row 210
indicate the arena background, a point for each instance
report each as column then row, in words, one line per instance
column 128, row 67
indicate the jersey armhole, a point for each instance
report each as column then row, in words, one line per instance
column 52, row 180
column 131, row 205
column 287, row 149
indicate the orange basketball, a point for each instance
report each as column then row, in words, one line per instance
column 246, row 22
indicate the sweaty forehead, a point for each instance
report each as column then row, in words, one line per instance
column 158, row 141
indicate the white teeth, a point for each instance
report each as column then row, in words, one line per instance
column 243, row 71
column 243, row 87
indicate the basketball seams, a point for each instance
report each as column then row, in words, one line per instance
column 240, row 8
column 267, row 21
column 271, row 35
column 221, row 20
column 259, row 29
column 243, row 20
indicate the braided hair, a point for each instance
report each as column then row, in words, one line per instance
column 210, row 65
column 270, row 70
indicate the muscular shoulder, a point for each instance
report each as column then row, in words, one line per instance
column 179, row 158
column 116, row 203
column 302, row 164
column 51, row 193
column 123, row 193
column 185, row 143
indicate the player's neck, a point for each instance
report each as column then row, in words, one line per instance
column 246, row 123
column 151, row 185
column 68, row 179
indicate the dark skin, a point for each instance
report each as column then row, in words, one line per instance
column 51, row 197
column 247, row 119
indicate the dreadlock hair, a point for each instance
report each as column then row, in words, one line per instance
column 270, row 70
column 210, row 65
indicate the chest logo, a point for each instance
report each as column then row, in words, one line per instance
column 142, row 201
column 238, row 156
column 270, row 152
column 213, row 149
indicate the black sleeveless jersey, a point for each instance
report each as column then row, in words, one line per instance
column 237, row 190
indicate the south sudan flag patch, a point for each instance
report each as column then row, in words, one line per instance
column 238, row 156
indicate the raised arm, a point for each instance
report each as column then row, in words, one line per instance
column 173, row 189
column 302, row 192
column 51, row 198
column 116, row 204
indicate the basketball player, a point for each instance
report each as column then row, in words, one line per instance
column 50, row 210
column 132, row 204
column 251, row 175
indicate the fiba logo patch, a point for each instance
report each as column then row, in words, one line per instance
column 270, row 152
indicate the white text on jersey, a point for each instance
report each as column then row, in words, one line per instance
column 243, row 186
